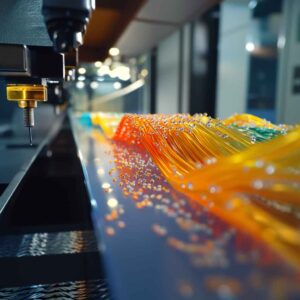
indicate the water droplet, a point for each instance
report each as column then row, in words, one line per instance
column 190, row 186
column 259, row 163
column 198, row 165
column 110, row 231
column 214, row 189
column 186, row 289
column 121, row 224
column 258, row 184
column 105, row 185
column 112, row 202
column 270, row 169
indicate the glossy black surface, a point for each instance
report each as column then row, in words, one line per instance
column 16, row 155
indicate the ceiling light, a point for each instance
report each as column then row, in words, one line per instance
column 252, row 4
column 108, row 61
column 125, row 76
column 123, row 72
column 144, row 72
column 114, row 51
column 94, row 85
column 250, row 46
column 98, row 64
column 81, row 71
column 80, row 84
column 104, row 70
column 113, row 74
column 281, row 42
column 117, row 85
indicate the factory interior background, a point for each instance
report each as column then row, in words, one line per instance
column 238, row 56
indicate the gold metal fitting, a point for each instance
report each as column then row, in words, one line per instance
column 26, row 95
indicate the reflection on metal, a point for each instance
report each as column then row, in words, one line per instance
column 38, row 244
column 91, row 289
column 118, row 94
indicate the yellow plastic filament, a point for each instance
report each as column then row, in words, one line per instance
column 255, row 186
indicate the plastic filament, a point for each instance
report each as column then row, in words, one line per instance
column 244, row 169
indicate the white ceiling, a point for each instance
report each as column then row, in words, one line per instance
column 139, row 37
column 156, row 20
column 176, row 11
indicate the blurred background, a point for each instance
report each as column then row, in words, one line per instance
column 219, row 57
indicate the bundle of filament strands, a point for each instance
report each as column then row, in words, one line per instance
column 244, row 169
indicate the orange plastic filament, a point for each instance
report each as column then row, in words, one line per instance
column 255, row 186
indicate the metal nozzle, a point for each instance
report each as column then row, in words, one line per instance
column 28, row 117
column 30, row 136
column 27, row 97
column 29, row 121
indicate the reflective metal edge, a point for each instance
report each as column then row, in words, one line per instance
column 48, row 243
column 90, row 289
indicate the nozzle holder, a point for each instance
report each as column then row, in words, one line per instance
column 27, row 97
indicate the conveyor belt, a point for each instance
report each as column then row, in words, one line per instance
column 161, row 245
